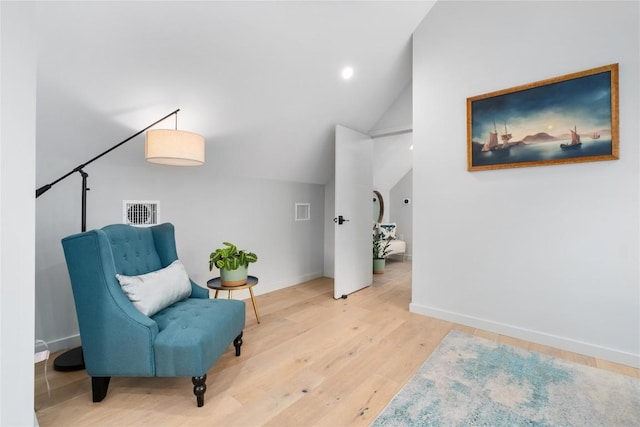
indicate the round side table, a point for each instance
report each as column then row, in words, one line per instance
column 251, row 282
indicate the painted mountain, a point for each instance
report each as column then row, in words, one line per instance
column 538, row 137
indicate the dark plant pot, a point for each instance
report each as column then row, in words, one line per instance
column 231, row 278
column 378, row 266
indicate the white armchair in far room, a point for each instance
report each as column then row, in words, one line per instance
column 396, row 245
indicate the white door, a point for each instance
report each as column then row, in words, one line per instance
column 353, row 204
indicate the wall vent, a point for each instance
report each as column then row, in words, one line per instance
column 303, row 211
column 142, row 213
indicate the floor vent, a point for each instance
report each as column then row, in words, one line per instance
column 303, row 211
column 142, row 213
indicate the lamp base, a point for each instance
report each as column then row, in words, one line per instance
column 72, row 360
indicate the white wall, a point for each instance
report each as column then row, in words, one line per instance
column 392, row 159
column 206, row 209
column 402, row 213
column 397, row 118
column 393, row 162
column 17, row 205
column 549, row 254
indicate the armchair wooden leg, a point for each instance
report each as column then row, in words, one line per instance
column 99, row 386
column 237, row 343
column 199, row 387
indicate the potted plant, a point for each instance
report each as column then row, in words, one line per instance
column 380, row 252
column 233, row 264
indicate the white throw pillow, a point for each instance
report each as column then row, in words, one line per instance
column 154, row 291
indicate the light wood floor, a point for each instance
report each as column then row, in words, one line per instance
column 312, row 361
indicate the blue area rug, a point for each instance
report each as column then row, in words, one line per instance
column 472, row 381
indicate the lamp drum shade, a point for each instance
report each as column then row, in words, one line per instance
column 174, row 147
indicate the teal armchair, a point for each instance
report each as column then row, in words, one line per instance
column 183, row 339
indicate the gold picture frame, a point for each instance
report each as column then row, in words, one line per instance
column 568, row 119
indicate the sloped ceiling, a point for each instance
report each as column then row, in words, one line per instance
column 260, row 80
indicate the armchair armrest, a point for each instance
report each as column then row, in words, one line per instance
column 198, row 291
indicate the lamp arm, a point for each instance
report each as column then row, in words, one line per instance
column 40, row 191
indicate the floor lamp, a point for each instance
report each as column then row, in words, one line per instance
column 164, row 146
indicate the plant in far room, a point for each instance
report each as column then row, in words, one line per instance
column 233, row 264
column 380, row 252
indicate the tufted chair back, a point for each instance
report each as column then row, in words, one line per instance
column 134, row 249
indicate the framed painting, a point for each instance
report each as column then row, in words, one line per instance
column 567, row 119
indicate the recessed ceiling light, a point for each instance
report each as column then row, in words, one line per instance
column 347, row 73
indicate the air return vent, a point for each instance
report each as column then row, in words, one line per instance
column 303, row 211
column 143, row 213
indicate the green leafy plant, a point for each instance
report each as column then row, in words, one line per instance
column 380, row 246
column 230, row 258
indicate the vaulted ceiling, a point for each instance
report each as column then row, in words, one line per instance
column 260, row 80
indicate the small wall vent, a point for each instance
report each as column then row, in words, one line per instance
column 303, row 211
column 142, row 213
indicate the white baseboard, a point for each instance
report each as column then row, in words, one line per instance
column 60, row 344
column 259, row 290
column 563, row 343
column 400, row 257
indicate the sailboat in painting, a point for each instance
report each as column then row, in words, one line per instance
column 575, row 140
column 493, row 140
column 493, row 144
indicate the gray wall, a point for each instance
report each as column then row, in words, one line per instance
column 205, row 208
column 329, row 228
column 549, row 254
